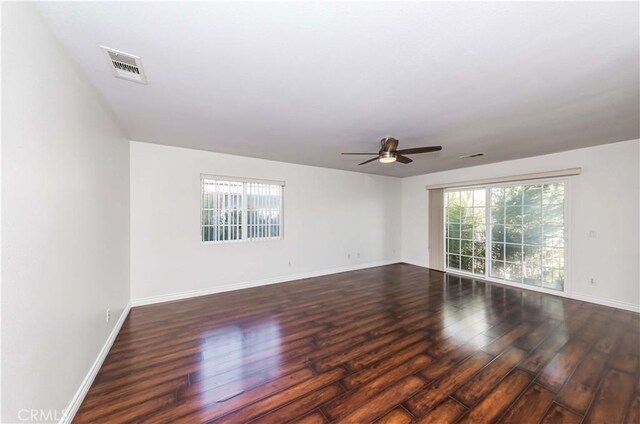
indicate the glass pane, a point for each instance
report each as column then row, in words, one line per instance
column 497, row 233
column 454, row 246
column 453, row 214
column 466, row 231
column 513, row 234
column 479, row 249
column 553, row 214
column 531, row 265
column 532, row 235
column 497, row 215
column 466, row 198
column 478, row 266
column 479, row 198
column 454, row 261
column 553, row 278
column 553, row 231
column 497, row 251
column 513, row 196
column 454, row 231
column 513, row 215
column 479, row 233
column 532, row 215
column 497, row 196
column 466, row 247
column 513, row 272
column 513, row 253
column 553, row 194
column 466, row 263
column 497, row 269
column 453, row 198
column 532, row 195
column 479, row 216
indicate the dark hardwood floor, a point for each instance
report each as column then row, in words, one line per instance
column 393, row 344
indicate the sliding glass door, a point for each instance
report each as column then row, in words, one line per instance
column 522, row 232
column 465, row 216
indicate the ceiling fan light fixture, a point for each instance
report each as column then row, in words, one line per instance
column 387, row 157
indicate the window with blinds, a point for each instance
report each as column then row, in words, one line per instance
column 240, row 209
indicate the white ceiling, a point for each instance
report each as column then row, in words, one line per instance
column 302, row 82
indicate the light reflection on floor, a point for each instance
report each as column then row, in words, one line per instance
column 228, row 351
column 460, row 320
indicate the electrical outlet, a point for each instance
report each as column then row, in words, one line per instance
column 348, row 255
column 108, row 315
column 592, row 281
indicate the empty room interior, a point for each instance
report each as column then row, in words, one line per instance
column 320, row 212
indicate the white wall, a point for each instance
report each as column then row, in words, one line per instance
column 65, row 225
column 327, row 215
column 604, row 198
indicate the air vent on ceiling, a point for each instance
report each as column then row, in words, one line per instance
column 124, row 65
column 472, row 155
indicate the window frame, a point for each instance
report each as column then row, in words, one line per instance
column 488, row 238
column 245, row 234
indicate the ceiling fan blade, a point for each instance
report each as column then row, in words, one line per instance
column 389, row 144
column 359, row 153
column 367, row 161
column 403, row 159
column 416, row 150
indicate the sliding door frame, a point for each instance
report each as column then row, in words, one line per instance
column 566, row 292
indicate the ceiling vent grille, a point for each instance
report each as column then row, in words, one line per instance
column 124, row 65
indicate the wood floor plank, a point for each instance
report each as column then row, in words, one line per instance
column 447, row 384
column 558, row 414
column 397, row 343
column 383, row 352
column 357, row 379
column 579, row 390
column 531, row 407
column 558, row 370
column 546, row 350
column 340, row 358
column 383, row 402
column 498, row 346
column 208, row 406
column 300, row 406
column 633, row 414
column 397, row 416
column 313, row 418
column 479, row 385
column 353, row 399
column 499, row 399
column 612, row 399
column 447, row 412
column 530, row 340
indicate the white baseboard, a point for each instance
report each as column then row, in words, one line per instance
column 255, row 283
column 606, row 302
column 585, row 298
column 75, row 403
column 416, row 263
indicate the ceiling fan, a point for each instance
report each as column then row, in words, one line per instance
column 389, row 152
